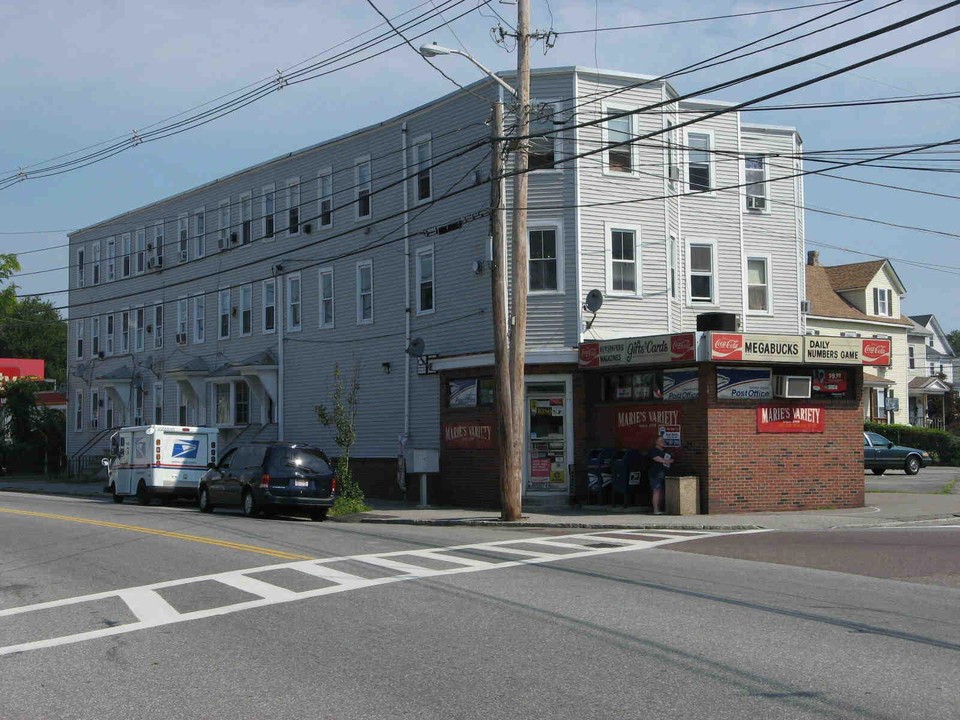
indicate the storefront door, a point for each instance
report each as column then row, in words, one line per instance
column 549, row 435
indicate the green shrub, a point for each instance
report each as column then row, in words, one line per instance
column 943, row 446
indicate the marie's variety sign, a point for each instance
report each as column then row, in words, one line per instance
column 755, row 348
column 637, row 427
column 790, row 419
column 468, row 435
column 638, row 351
column 847, row 350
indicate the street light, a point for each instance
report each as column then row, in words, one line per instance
column 433, row 50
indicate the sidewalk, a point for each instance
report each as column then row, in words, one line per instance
column 881, row 509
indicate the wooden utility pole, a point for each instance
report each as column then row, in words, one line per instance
column 501, row 357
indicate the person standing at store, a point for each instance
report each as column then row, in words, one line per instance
column 660, row 460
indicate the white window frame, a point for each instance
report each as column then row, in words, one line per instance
column 200, row 232
column 78, row 410
column 767, row 263
column 911, row 357
column 158, row 403
column 609, row 229
column 126, row 259
column 324, row 320
column 223, row 224
column 293, row 205
column 94, row 408
column 138, row 405
column 361, row 266
column 79, row 330
column 124, row 332
column 95, row 336
column 553, row 112
column 763, row 183
column 245, row 228
column 232, row 420
column 139, row 328
column 672, row 267
column 246, row 310
column 268, row 212
column 715, row 300
column 417, row 161
column 81, row 266
column 140, row 249
column 358, row 188
column 158, row 233
column 183, row 318
column 158, row 326
column 883, row 302
column 557, row 226
column 268, row 328
column 223, row 312
column 293, row 279
column 421, row 253
column 671, row 160
column 111, row 259
column 95, row 262
column 110, row 331
column 325, row 195
column 198, row 319
column 605, row 140
column 711, row 165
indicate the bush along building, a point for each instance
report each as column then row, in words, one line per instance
column 230, row 304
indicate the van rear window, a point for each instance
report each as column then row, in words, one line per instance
column 285, row 460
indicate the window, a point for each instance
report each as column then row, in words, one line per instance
column 911, row 356
column 125, row 331
column 199, row 318
column 364, row 184
column 698, row 162
column 883, row 302
column 95, row 248
column 111, row 324
column 158, row 326
column 246, row 218
column 246, row 309
column 183, row 407
column 81, row 269
column 78, row 411
column 200, row 232
column 755, row 176
column 140, row 244
column 158, row 403
column 183, row 238
column 108, row 409
column 158, row 244
column 425, row 290
column 545, row 140
column 138, row 406
column 140, row 328
column 268, row 209
column 702, row 281
column 293, row 206
column 619, row 142
column 544, row 261
column 95, row 336
column 758, row 284
column 325, row 194
column 241, row 403
column 125, row 255
column 326, row 298
column 365, row 292
column 78, row 330
column 182, row 320
column 294, row 303
column 672, row 265
column 232, row 403
column 623, row 272
column 223, row 326
column 269, row 305
column 223, row 236
column 931, row 369
column 94, row 408
column 421, row 162
column 111, row 259
column 673, row 172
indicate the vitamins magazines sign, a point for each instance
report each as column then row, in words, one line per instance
column 790, row 419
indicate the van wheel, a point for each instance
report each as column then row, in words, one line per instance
column 878, row 471
column 143, row 496
column 912, row 465
column 113, row 493
column 319, row 515
column 250, row 508
column 203, row 501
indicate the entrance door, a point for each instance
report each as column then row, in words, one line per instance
column 549, row 436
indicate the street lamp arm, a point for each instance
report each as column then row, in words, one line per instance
column 433, row 50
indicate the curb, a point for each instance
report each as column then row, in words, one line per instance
column 521, row 524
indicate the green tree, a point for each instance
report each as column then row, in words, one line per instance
column 342, row 416
column 953, row 337
column 8, row 295
column 33, row 328
column 35, row 436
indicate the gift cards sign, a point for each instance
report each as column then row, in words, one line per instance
column 638, row 351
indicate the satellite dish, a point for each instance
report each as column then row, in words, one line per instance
column 594, row 301
column 415, row 347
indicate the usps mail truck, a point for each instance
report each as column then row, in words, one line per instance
column 158, row 461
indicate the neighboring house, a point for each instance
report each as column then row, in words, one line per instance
column 932, row 368
column 864, row 300
column 230, row 303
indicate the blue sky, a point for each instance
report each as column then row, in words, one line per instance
column 76, row 74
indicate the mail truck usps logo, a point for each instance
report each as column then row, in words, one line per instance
column 186, row 449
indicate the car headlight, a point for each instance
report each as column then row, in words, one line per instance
column 925, row 454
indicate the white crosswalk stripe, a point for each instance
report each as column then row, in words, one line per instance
column 151, row 609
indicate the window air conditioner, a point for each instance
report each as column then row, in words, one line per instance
column 234, row 238
column 307, row 228
column 183, row 256
column 805, row 306
column 674, row 173
column 221, row 243
column 181, row 338
column 792, row 386
column 756, row 203
column 149, row 246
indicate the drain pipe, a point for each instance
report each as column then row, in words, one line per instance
column 279, row 319
column 406, row 293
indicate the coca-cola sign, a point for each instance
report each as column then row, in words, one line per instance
column 755, row 348
column 847, row 350
column 877, row 352
column 649, row 350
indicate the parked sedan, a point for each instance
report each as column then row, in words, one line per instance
column 270, row 478
column 880, row 455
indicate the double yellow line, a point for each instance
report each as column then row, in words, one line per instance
column 162, row 533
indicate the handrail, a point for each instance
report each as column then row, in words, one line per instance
column 93, row 441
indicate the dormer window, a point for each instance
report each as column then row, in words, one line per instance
column 883, row 302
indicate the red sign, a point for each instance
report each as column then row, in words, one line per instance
column 540, row 467
column 682, row 347
column 726, row 346
column 790, row 419
column 468, row 435
column 590, row 354
column 876, row 352
column 13, row 368
column 637, row 426
column 830, row 381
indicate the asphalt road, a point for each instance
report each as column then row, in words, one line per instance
column 221, row 616
column 934, row 479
